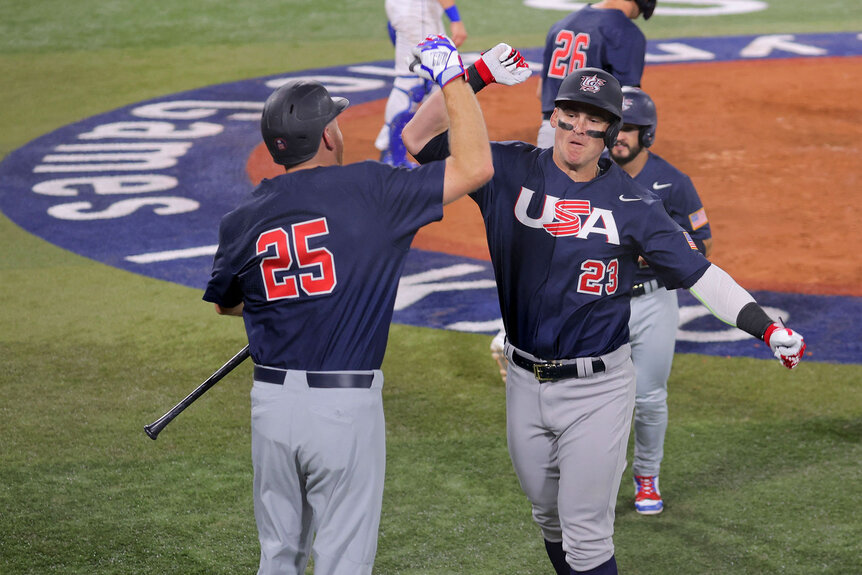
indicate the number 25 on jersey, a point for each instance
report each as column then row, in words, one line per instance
column 285, row 253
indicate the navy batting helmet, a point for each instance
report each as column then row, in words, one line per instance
column 596, row 87
column 293, row 120
column 639, row 110
column 647, row 7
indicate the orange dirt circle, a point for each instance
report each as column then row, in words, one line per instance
column 771, row 146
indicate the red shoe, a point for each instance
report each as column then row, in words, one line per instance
column 647, row 496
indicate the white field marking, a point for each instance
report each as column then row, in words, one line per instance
column 413, row 288
column 477, row 326
column 763, row 46
column 334, row 84
column 678, row 52
column 197, row 110
column 691, row 7
column 170, row 255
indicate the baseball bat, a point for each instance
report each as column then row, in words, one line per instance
column 156, row 427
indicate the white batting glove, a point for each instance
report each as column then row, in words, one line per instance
column 504, row 65
column 787, row 345
column 437, row 59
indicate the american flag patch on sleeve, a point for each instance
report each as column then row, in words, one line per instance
column 690, row 241
column 698, row 219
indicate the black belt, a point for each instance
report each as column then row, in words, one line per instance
column 550, row 371
column 641, row 289
column 547, row 115
column 317, row 378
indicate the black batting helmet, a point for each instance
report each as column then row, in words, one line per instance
column 639, row 110
column 598, row 88
column 293, row 120
column 647, row 7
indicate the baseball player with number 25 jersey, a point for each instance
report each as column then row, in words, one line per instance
column 311, row 260
column 565, row 228
column 655, row 311
column 600, row 35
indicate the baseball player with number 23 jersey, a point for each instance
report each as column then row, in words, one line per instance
column 565, row 228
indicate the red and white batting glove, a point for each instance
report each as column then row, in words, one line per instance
column 436, row 59
column 502, row 64
column 787, row 345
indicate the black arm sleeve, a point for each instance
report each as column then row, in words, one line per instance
column 752, row 319
column 436, row 149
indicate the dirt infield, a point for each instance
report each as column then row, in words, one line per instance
column 772, row 147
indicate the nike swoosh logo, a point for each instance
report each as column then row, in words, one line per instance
column 658, row 186
column 625, row 199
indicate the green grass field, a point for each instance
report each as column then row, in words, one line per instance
column 762, row 471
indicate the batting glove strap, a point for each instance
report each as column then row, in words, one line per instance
column 787, row 345
column 437, row 59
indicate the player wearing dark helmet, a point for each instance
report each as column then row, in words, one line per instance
column 311, row 261
column 655, row 311
column 565, row 227
column 601, row 35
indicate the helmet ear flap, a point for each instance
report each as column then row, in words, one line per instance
column 612, row 132
column 646, row 136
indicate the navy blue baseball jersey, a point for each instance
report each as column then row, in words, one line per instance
column 680, row 200
column 565, row 253
column 316, row 255
column 592, row 37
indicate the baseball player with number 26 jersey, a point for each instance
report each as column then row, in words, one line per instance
column 565, row 228
column 655, row 311
column 600, row 35
column 311, row 260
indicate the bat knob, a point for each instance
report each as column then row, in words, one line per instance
column 153, row 434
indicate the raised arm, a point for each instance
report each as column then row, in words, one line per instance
column 430, row 120
column 469, row 165
column 501, row 64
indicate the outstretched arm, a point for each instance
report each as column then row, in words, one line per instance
column 730, row 303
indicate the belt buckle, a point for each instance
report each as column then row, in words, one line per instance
column 538, row 369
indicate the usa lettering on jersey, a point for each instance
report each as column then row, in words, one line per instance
column 563, row 218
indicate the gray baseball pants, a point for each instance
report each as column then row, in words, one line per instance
column 319, row 460
column 567, row 440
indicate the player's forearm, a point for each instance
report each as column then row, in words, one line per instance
column 235, row 310
column 726, row 299
column 707, row 247
column 729, row 302
column 469, row 165
column 431, row 119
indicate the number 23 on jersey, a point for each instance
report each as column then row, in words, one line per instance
column 285, row 253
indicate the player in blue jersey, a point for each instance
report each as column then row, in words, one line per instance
column 311, row 261
column 655, row 311
column 601, row 35
column 565, row 228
